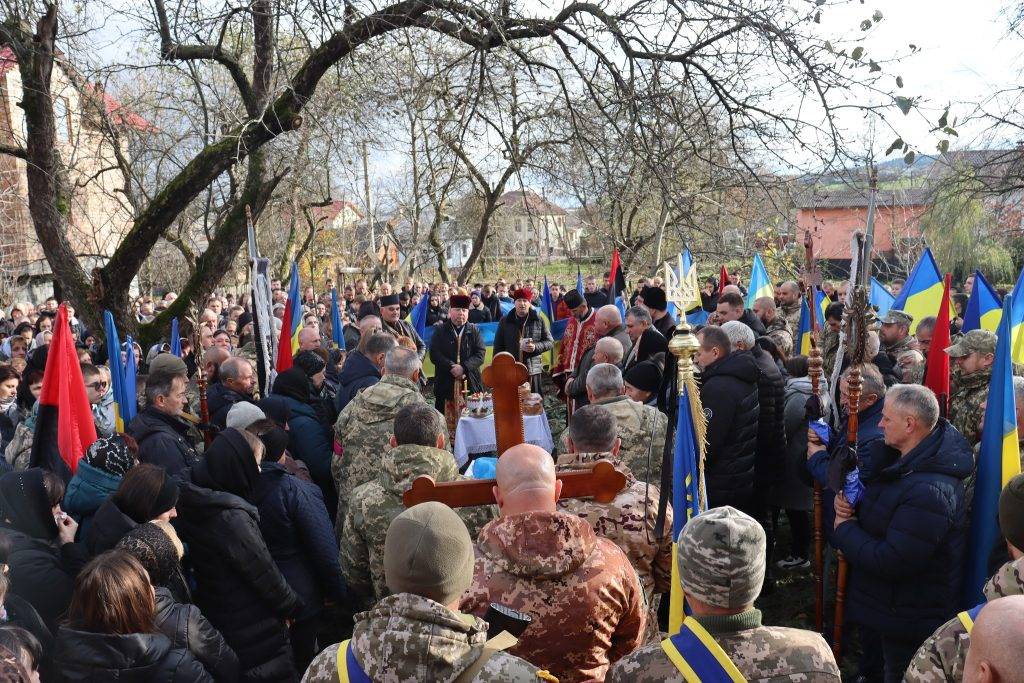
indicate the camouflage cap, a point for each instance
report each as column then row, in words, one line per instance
column 168, row 362
column 981, row 341
column 897, row 317
column 722, row 558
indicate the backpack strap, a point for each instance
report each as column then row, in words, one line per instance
column 498, row 643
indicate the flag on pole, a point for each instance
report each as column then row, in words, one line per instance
column 685, row 497
column 983, row 307
column 337, row 328
column 880, row 297
column 579, row 280
column 936, row 374
column 418, row 316
column 64, row 427
column 1017, row 319
column 803, row 335
column 723, row 279
column 760, row 284
column 291, row 324
column 922, row 293
column 175, row 341
column 130, row 382
column 998, row 461
column 616, row 280
column 121, row 404
column 546, row 305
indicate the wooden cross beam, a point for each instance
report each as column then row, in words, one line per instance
column 504, row 376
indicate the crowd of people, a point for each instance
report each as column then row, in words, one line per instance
column 271, row 542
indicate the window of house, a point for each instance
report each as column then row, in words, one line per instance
column 62, row 118
column 465, row 250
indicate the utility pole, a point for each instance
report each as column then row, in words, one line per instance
column 369, row 210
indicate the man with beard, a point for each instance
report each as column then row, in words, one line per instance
column 523, row 334
column 580, row 334
column 392, row 323
column 457, row 352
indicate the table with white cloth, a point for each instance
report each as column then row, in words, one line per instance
column 475, row 435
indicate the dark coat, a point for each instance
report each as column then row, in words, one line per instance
column 479, row 315
column 750, row 319
column 436, row 314
column 86, row 492
column 651, row 346
column 310, row 441
column 356, row 374
column 596, row 299
column 109, row 526
column 238, row 586
column 512, row 328
column 43, row 574
column 493, row 305
column 471, row 356
column 578, row 391
column 666, row 324
column 300, row 537
column 771, row 424
column 163, row 440
column 189, row 630
column 728, row 394
column 906, row 546
column 219, row 400
column 135, row 658
column 351, row 334
column 793, row 491
column 21, row 613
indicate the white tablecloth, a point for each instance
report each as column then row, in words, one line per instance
column 476, row 435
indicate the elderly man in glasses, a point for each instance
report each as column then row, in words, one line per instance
column 97, row 388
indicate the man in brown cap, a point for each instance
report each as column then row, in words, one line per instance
column 583, row 596
column 417, row 633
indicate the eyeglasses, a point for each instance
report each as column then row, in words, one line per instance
column 98, row 386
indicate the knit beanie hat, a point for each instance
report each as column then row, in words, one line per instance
column 722, row 558
column 1011, row 511
column 168, row 362
column 110, row 454
column 311, row 363
column 645, row 376
column 243, row 414
column 428, row 552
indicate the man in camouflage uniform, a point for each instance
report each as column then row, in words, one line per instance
column 789, row 302
column 640, row 427
column 973, row 356
column 721, row 567
column 776, row 327
column 417, row 634
column 367, row 422
column 895, row 335
column 942, row 656
column 629, row 520
column 580, row 589
column 416, row 450
column 829, row 342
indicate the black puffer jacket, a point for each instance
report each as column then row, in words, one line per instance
column 163, row 440
column 238, row 586
column 189, row 630
column 86, row 657
column 512, row 328
column 109, row 525
column 219, row 400
column 906, row 548
column 729, row 395
column 771, row 424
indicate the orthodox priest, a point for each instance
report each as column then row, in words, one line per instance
column 580, row 335
column 392, row 323
column 457, row 351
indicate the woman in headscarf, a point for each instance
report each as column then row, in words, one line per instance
column 97, row 477
column 23, row 418
column 309, row 439
column 238, row 586
column 44, row 558
column 145, row 493
column 158, row 549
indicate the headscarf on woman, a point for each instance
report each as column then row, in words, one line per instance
column 158, row 549
column 24, row 505
column 229, row 465
column 293, row 383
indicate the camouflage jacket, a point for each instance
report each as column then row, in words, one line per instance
column 407, row 639
column 628, row 522
column 942, row 656
column 782, row 334
column 829, row 348
column 374, row 504
column 642, row 430
column 896, row 350
column 583, row 595
column 966, row 403
column 761, row 653
column 791, row 314
column 363, row 429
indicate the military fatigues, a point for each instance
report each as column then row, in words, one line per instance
column 791, row 314
column 782, row 334
column 628, row 522
column 407, row 639
column 363, row 429
column 941, row 657
column 966, row 404
column 376, row 503
column 896, row 350
column 642, row 431
column 761, row 653
column 829, row 348
column 580, row 589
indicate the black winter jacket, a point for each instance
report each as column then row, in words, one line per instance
column 906, row 546
column 238, row 586
column 299, row 534
column 443, row 355
column 219, row 400
column 109, row 525
column 771, row 424
column 43, row 573
column 512, row 328
column 163, row 440
column 189, row 630
column 86, row 657
column 356, row 374
column 729, row 395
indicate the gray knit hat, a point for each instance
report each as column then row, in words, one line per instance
column 428, row 552
column 243, row 414
column 168, row 362
column 722, row 558
column 1011, row 511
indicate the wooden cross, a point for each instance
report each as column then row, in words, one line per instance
column 503, row 377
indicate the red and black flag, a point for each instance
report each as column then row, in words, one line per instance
column 936, row 374
column 616, row 279
column 64, row 426
column 723, row 280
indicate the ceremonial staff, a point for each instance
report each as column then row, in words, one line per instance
column 815, row 365
column 197, row 348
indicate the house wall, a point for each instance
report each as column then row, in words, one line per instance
column 832, row 229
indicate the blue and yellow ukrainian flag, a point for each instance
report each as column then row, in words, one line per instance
column 998, row 461
column 125, row 403
column 685, row 497
column 418, row 315
column 921, row 296
column 1017, row 319
column 337, row 327
column 880, row 297
column 803, row 334
column 983, row 308
column 760, row 284
column 291, row 324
